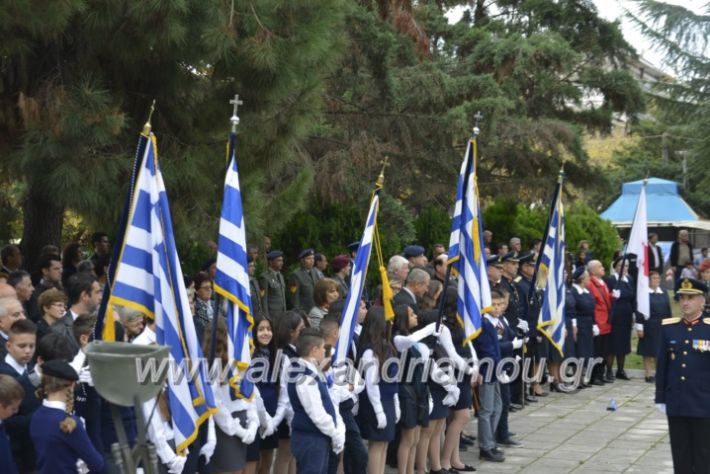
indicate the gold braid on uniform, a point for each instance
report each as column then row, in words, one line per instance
column 68, row 425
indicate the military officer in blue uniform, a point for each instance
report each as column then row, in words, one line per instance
column 683, row 379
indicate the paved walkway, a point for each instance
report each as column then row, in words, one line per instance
column 575, row 433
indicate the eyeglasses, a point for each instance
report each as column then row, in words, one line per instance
column 206, row 287
column 58, row 304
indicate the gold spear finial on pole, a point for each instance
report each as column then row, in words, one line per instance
column 147, row 126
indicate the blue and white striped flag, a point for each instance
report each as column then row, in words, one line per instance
column 465, row 249
column 550, row 274
column 232, row 278
column 348, row 319
column 149, row 279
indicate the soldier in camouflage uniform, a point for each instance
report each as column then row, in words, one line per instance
column 273, row 286
column 302, row 282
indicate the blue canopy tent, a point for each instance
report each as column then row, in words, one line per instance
column 666, row 210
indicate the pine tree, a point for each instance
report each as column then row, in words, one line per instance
column 682, row 35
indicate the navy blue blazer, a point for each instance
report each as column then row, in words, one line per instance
column 18, row 425
column 683, row 368
column 487, row 350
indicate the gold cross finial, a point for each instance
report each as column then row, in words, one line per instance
column 381, row 178
column 147, row 126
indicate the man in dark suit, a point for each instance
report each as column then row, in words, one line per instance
column 416, row 285
column 655, row 255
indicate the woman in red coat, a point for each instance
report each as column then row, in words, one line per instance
column 602, row 325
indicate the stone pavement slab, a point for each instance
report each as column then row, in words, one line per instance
column 575, row 433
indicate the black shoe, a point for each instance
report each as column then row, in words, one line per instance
column 515, row 406
column 650, row 379
column 608, row 379
column 497, row 450
column 530, row 398
column 468, row 437
column 511, row 443
column 620, row 374
column 465, row 468
column 491, row 456
column 511, row 434
column 465, row 441
column 597, row 382
column 609, row 375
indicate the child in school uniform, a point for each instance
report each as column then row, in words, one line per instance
column 488, row 350
column 11, row 395
column 58, row 436
column 288, row 327
column 260, row 453
column 18, row 364
column 317, row 427
column 379, row 409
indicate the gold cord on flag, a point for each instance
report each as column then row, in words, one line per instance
column 387, row 294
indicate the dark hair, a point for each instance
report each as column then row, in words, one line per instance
column 22, row 326
column 10, row 390
column 307, row 340
column 8, row 251
column 71, row 254
column 327, row 326
column 375, row 332
column 221, row 348
column 46, row 260
column 498, row 294
column 97, row 236
column 335, row 317
column 284, row 325
column 318, row 257
column 258, row 319
column 336, row 308
column 16, row 277
column 320, row 292
column 83, row 325
column 200, row 278
column 54, row 346
column 401, row 320
column 79, row 283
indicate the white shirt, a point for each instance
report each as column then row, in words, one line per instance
column 56, row 404
column 20, row 369
column 160, row 431
column 579, row 289
column 309, row 396
column 657, row 291
column 624, row 278
column 73, row 315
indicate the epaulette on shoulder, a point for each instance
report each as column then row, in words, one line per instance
column 670, row 321
column 518, row 279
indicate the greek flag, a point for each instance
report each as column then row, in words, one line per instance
column 232, row 278
column 148, row 279
column 348, row 319
column 465, row 245
column 550, row 274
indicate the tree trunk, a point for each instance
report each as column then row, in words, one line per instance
column 43, row 220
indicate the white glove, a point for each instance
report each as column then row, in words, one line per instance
column 239, row 431
column 646, row 317
column 207, row 449
column 431, row 404
column 397, row 410
column 176, row 464
column 504, row 378
column 85, row 376
column 615, row 293
column 517, row 343
column 269, row 429
column 574, row 322
column 595, row 330
column 81, row 467
column 523, row 325
column 661, row 407
column 452, row 396
column 381, row 420
column 250, row 433
column 338, row 442
column 638, row 327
